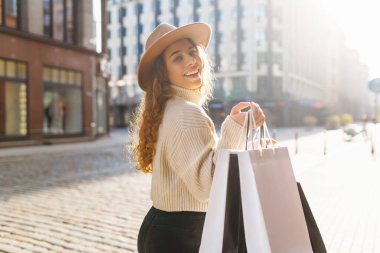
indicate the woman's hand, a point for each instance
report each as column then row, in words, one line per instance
column 239, row 116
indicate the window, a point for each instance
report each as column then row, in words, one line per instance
column 109, row 33
column 239, row 88
column 277, row 35
column 1, row 12
column 235, row 12
column 2, row 68
column 58, row 19
column 136, row 49
column 109, row 17
column 260, row 11
column 241, row 59
column 13, row 99
column 212, row 18
column 234, row 35
column 221, row 15
column 122, row 12
column 122, row 32
column 63, row 106
column 9, row 9
column 109, row 53
column 140, row 48
column 277, row 58
column 171, row 5
column 139, row 8
column 69, row 33
column 260, row 34
column 262, row 85
column 243, row 12
column 122, row 50
column 278, row 13
column 47, row 18
column 120, row 72
column 261, row 58
column 58, row 14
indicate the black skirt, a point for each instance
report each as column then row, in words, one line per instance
column 171, row 232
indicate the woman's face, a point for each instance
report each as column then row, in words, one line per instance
column 183, row 64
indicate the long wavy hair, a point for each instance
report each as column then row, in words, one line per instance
column 148, row 117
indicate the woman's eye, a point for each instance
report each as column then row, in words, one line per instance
column 178, row 58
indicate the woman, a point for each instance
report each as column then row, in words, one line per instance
column 176, row 140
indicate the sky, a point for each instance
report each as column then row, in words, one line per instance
column 359, row 20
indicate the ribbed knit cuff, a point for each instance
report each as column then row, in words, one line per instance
column 232, row 134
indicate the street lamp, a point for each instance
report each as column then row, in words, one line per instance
column 374, row 86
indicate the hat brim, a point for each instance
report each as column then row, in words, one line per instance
column 199, row 33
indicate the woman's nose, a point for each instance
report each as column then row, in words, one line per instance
column 190, row 60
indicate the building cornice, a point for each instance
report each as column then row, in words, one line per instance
column 46, row 40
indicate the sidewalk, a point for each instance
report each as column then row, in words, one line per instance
column 116, row 137
column 343, row 190
column 85, row 197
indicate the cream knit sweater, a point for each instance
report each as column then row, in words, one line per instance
column 186, row 152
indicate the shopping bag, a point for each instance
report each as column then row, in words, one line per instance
column 312, row 226
column 279, row 199
column 224, row 227
column 258, row 209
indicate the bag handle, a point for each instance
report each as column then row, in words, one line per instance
column 261, row 135
column 249, row 118
column 247, row 135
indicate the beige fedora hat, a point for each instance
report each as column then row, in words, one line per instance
column 161, row 37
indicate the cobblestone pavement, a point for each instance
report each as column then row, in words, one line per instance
column 80, row 201
column 87, row 198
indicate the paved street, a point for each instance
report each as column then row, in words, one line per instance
column 83, row 199
column 86, row 197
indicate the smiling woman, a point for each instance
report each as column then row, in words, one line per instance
column 174, row 139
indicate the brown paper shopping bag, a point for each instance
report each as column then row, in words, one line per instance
column 279, row 199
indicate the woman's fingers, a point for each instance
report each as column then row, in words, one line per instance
column 239, row 116
column 237, row 108
column 258, row 114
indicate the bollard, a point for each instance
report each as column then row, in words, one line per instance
column 325, row 143
column 296, row 143
column 372, row 148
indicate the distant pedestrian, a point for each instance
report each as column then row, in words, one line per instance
column 175, row 139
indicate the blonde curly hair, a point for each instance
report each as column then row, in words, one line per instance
column 148, row 117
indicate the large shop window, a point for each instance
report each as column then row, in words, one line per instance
column 13, row 99
column 63, row 101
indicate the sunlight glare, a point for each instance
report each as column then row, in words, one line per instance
column 358, row 19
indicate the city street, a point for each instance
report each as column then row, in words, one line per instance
column 86, row 197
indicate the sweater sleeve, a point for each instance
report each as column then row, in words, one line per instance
column 192, row 152
column 232, row 135
column 193, row 149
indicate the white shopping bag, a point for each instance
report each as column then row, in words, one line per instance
column 254, row 224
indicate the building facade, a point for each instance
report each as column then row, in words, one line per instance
column 52, row 86
column 278, row 53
